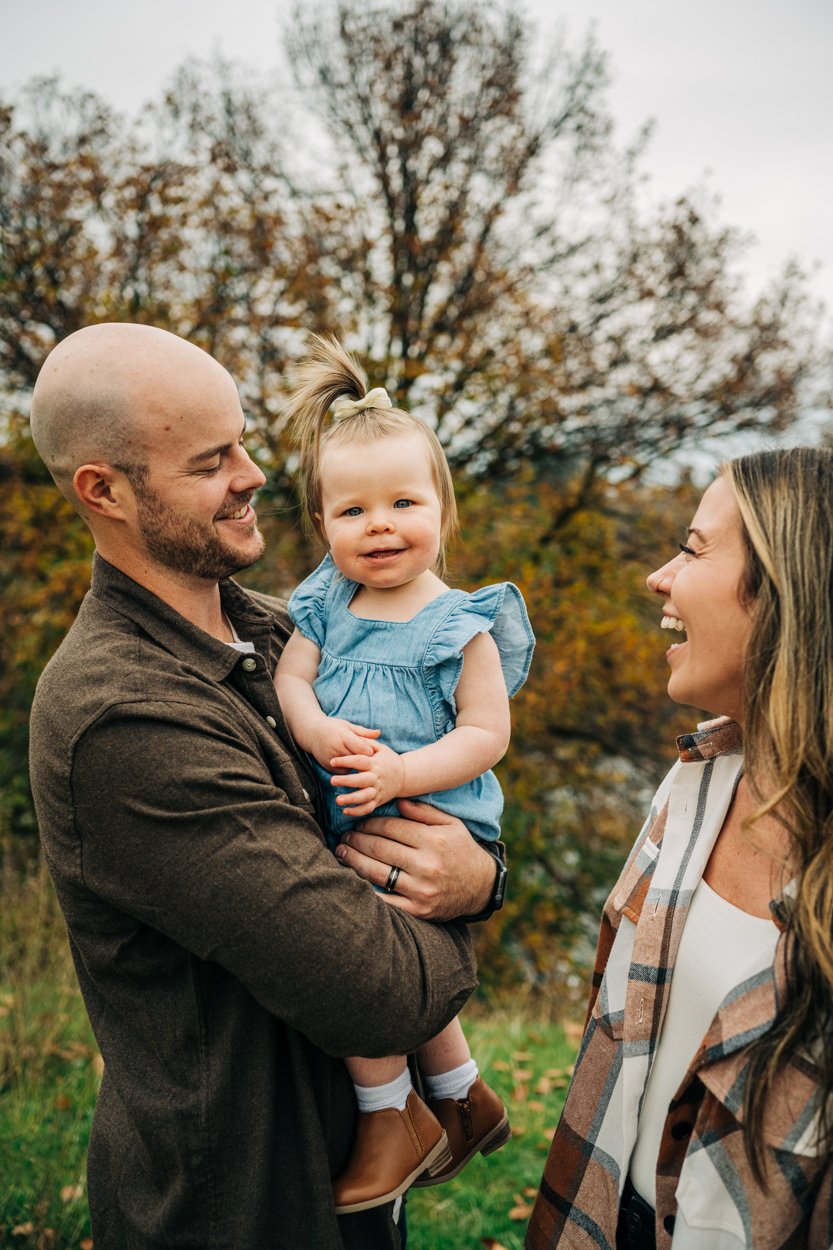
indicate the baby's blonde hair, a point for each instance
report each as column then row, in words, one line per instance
column 327, row 374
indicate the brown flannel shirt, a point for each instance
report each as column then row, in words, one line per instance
column 707, row 1198
column 224, row 955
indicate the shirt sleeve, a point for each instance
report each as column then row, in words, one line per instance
column 209, row 852
column 308, row 604
column 497, row 610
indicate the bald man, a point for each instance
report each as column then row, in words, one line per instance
column 226, row 959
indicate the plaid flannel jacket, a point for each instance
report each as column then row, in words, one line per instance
column 707, row 1198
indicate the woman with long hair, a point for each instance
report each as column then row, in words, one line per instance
column 701, row 1108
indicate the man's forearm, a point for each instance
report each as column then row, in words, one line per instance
column 222, row 865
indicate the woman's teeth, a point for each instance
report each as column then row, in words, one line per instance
column 672, row 622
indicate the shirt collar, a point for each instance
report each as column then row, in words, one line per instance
column 175, row 632
column 721, row 736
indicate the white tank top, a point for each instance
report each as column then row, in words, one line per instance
column 719, row 947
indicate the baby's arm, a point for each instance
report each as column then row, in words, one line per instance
column 323, row 736
column 478, row 741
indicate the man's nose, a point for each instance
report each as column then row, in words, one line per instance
column 248, row 475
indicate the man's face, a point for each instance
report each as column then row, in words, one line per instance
column 193, row 513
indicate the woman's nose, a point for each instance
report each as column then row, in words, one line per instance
column 659, row 582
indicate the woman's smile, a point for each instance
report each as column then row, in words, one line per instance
column 701, row 588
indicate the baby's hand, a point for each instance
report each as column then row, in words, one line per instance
column 379, row 780
column 337, row 737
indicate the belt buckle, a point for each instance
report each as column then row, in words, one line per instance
column 640, row 1222
column 635, row 1220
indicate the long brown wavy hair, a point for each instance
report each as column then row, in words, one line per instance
column 786, row 505
column 328, row 373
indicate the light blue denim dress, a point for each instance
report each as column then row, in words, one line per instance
column 400, row 677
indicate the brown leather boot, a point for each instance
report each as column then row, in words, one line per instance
column 391, row 1149
column 477, row 1122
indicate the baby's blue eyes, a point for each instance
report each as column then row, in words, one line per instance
column 357, row 511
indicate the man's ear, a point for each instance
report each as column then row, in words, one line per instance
column 102, row 490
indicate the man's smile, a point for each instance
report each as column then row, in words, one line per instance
column 245, row 512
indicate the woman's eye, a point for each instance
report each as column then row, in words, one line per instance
column 687, row 550
column 403, row 503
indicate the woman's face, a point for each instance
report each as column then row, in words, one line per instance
column 701, row 593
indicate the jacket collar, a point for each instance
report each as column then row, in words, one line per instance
column 175, row 632
column 721, row 736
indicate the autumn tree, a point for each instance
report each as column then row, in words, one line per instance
column 561, row 341
column 593, row 730
column 511, row 290
column 173, row 218
column 454, row 205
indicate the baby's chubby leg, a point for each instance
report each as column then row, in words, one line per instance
column 472, row 1115
column 380, row 1083
column 446, row 1063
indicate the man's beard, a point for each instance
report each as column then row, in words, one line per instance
column 183, row 545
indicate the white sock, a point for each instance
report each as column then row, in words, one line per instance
column 380, row 1097
column 453, row 1084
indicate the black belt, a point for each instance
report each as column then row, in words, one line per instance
column 636, row 1229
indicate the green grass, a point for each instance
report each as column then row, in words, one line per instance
column 49, row 1074
column 527, row 1059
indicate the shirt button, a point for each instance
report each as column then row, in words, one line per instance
column 668, row 1224
column 681, row 1130
column 250, row 664
column 271, row 722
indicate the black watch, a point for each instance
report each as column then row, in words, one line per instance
column 498, row 853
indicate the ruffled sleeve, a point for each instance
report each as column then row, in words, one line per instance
column 498, row 610
column 309, row 602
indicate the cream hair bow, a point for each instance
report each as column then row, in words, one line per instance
column 346, row 407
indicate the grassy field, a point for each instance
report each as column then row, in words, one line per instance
column 49, row 1073
column 527, row 1059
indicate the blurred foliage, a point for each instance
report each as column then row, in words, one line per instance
column 593, row 728
column 446, row 195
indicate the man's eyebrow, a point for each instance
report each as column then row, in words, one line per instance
column 212, row 452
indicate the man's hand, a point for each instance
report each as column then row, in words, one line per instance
column 443, row 872
column 333, row 737
column 380, row 778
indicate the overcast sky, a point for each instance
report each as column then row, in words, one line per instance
column 741, row 91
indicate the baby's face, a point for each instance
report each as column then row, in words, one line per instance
column 380, row 511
